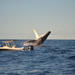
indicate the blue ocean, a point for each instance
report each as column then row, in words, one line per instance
column 55, row 57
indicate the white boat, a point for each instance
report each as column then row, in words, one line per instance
column 6, row 46
column 10, row 46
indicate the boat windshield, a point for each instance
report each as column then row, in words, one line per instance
column 9, row 43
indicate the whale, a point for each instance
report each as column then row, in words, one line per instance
column 39, row 39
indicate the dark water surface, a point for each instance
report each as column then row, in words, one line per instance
column 57, row 57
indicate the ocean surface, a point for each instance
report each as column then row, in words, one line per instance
column 55, row 57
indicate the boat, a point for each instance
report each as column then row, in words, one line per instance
column 9, row 46
column 6, row 48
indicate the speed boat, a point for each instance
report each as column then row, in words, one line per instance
column 10, row 46
column 6, row 46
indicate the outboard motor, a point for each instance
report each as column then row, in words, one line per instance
column 30, row 47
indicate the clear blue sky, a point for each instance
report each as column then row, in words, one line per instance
column 19, row 17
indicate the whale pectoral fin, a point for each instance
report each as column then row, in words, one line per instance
column 36, row 34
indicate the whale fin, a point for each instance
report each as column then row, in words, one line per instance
column 36, row 34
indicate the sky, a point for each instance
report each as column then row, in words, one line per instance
column 19, row 17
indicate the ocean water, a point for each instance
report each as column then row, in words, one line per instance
column 56, row 57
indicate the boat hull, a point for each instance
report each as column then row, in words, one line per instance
column 11, row 49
